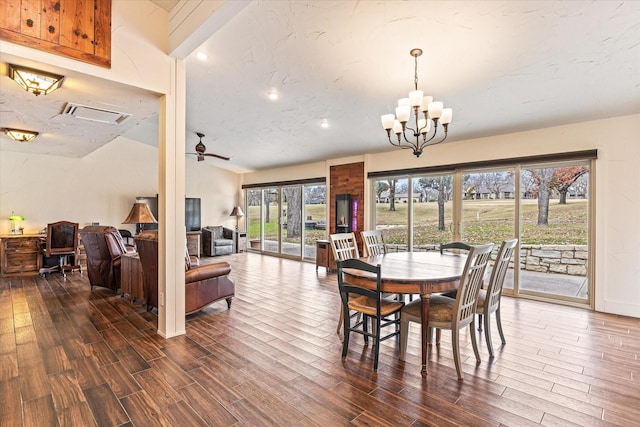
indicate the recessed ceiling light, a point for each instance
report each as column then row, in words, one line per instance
column 273, row 95
column 324, row 123
column 201, row 56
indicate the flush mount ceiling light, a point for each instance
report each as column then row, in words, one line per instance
column 20, row 135
column 432, row 111
column 35, row 81
column 273, row 95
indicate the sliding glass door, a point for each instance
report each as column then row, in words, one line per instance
column 545, row 205
column 281, row 218
column 554, row 236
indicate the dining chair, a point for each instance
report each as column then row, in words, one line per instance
column 344, row 246
column 370, row 304
column 449, row 313
column 373, row 242
column 489, row 299
column 454, row 245
column 374, row 245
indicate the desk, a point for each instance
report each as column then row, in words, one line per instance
column 421, row 273
column 20, row 253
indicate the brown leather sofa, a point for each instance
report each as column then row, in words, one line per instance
column 204, row 284
column 103, row 245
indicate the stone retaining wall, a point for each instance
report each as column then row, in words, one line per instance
column 561, row 259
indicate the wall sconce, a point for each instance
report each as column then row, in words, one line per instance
column 237, row 212
column 14, row 220
column 20, row 135
column 35, row 81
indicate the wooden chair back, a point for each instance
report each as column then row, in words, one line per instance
column 470, row 283
column 373, row 242
column 62, row 238
column 344, row 246
column 500, row 267
column 454, row 245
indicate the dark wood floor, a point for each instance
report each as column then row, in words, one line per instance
column 75, row 357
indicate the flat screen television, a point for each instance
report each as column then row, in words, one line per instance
column 191, row 213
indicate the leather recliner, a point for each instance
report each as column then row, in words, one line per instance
column 104, row 246
column 204, row 284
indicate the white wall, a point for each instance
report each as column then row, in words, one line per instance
column 102, row 186
column 617, row 190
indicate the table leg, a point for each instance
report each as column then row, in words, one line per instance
column 424, row 312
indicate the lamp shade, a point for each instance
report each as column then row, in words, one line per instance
column 140, row 214
column 237, row 212
column 16, row 218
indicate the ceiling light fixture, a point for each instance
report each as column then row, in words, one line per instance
column 324, row 123
column 433, row 112
column 20, row 135
column 273, row 95
column 201, row 56
column 35, row 81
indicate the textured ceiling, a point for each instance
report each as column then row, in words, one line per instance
column 503, row 66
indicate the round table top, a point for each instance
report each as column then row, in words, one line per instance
column 415, row 272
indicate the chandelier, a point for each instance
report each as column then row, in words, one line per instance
column 433, row 113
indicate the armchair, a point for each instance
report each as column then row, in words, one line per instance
column 104, row 246
column 204, row 284
column 218, row 240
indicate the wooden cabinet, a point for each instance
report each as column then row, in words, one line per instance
column 20, row 254
column 324, row 255
column 131, row 276
column 193, row 243
column 79, row 29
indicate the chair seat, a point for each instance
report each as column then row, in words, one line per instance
column 440, row 309
column 482, row 296
column 368, row 306
column 223, row 242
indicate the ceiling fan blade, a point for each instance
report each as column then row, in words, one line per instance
column 217, row 155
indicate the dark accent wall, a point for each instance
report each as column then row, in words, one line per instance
column 347, row 179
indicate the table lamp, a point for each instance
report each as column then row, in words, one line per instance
column 237, row 212
column 140, row 214
column 14, row 226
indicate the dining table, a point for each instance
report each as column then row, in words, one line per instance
column 422, row 273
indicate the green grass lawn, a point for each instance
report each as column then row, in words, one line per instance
column 483, row 221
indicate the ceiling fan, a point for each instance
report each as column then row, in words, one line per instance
column 201, row 150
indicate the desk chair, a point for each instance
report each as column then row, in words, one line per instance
column 61, row 242
column 127, row 237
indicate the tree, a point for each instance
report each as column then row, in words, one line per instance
column 563, row 179
column 443, row 185
column 542, row 178
column 292, row 197
column 392, row 194
column 381, row 187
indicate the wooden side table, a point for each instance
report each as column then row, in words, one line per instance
column 241, row 241
column 324, row 255
column 131, row 276
column 193, row 243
